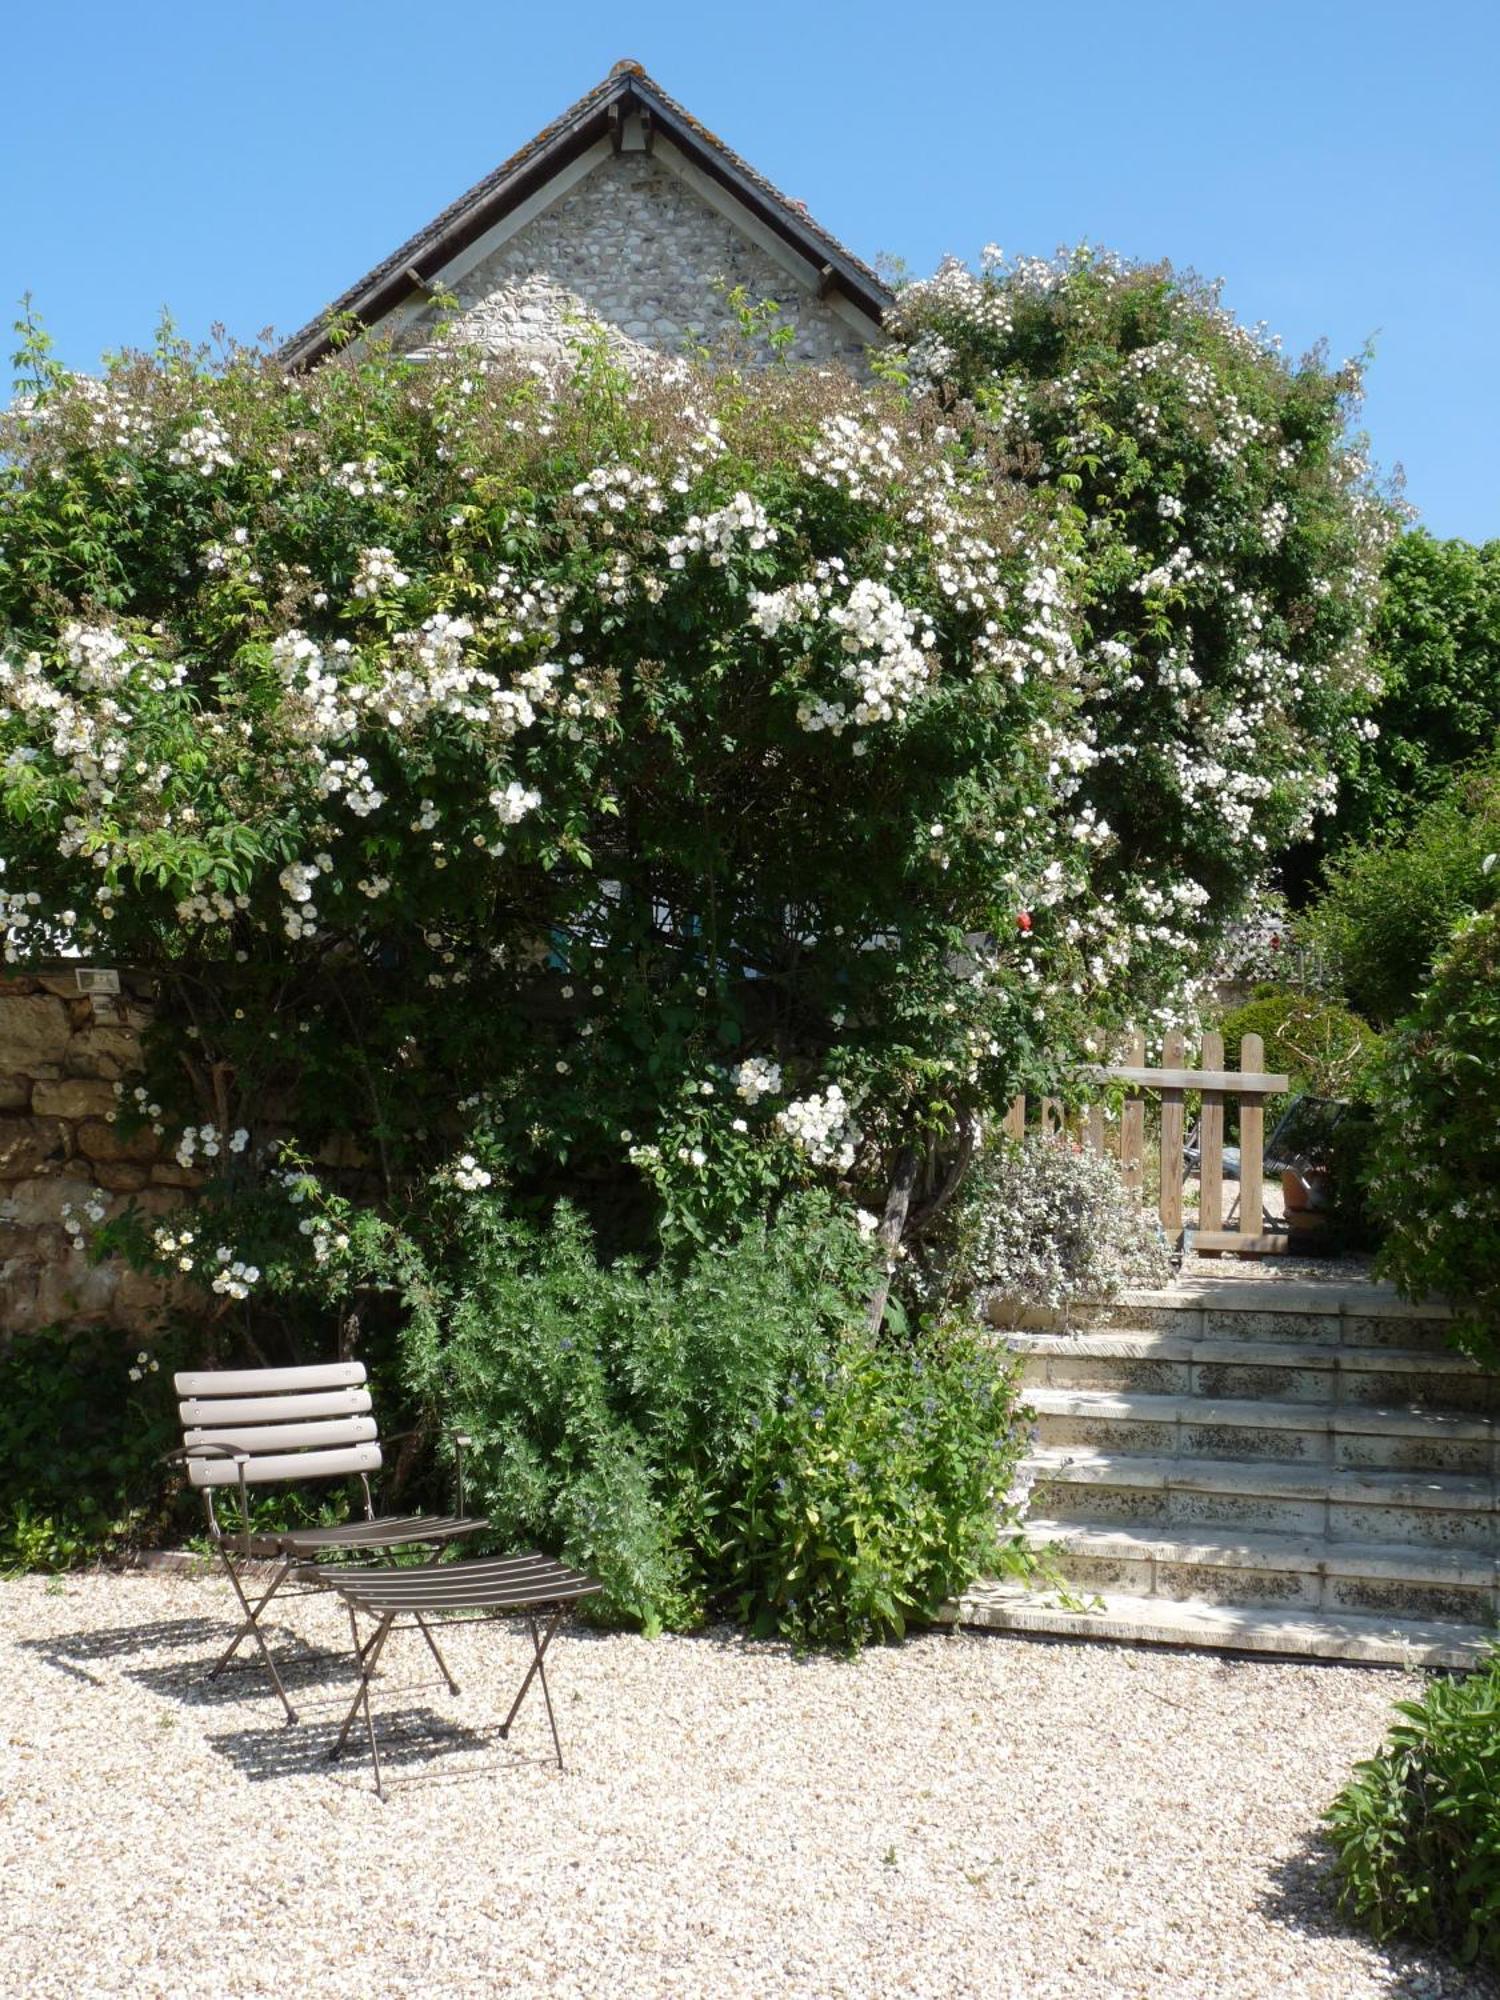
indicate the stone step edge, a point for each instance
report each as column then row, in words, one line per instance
column 1452, row 1492
column 1351, row 1298
column 1119, row 1343
column 1355, row 1636
column 1309, row 1555
column 1244, row 1413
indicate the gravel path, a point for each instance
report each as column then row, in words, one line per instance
column 970, row 1815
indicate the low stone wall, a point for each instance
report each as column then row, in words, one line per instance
column 62, row 1160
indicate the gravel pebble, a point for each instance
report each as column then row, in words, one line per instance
column 972, row 1814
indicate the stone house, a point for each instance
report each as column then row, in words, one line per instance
column 628, row 212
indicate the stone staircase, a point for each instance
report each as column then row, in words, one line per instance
column 1301, row 1469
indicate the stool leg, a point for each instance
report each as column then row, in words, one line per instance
column 369, row 1659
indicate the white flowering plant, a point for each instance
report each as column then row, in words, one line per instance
column 1228, row 542
column 641, row 777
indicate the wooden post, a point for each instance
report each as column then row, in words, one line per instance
column 1014, row 1122
column 1252, row 1143
column 1170, row 1208
column 1211, row 1143
column 1052, row 1117
column 1133, row 1122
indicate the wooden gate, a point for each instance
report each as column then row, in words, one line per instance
column 1173, row 1083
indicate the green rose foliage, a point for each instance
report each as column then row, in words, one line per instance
column 1436, row 647
column 1415, row 1832
column 1434, row 1170
column 719, row 1433
column 1390, row 907
column 1226, row 532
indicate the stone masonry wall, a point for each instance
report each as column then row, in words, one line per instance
column 633, row 247
column 61, row 1159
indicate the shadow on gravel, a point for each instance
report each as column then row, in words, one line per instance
column 1302, row 1899
column 408, row 1737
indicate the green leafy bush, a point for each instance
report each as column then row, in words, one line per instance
column 1321, row 1047
column 1434, row 1173
column 1390, row 907
column 720, row 1434
column 1416, row 1830
column 84, row 1421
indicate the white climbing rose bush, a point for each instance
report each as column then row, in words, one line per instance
column 659, row 778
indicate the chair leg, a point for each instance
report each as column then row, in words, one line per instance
column 537, row 1670
column 426, row 1630
column 252, row 1625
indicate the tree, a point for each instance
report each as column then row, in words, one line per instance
column 1436, row 646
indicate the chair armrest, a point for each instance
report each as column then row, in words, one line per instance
column 186, row 1452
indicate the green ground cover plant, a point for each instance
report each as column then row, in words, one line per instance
column 1416, row 1833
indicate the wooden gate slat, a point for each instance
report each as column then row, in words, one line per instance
column 1252, row 1144
column 1170, row 1207
column 1211, row 1145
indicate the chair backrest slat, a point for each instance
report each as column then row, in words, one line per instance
column 274, row 1409
column 285, row 1437
column 286, row 1465
column 293, row 1423
column 271, row 1381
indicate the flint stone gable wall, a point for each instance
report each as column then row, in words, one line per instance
column 633, row 246
column 61, row 1055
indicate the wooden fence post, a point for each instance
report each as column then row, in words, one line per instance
column 1252, row 1143
column 1211, row 1143
column 1170, row 1208
column 1014, row 1122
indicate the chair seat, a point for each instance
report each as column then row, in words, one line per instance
column 489, row 1583
column 389, row 1532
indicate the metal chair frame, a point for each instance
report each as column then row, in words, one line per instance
column 291, row 1549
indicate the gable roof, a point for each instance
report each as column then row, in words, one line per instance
column 598, row 115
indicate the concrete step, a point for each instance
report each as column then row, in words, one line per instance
column 1438, row 1509
column 1327, row 1314
column 1322, row 1635
column 1293, row 1572
column 1150, row 1361
column 1190, row 1426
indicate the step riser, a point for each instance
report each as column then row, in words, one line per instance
column 1321, row 1446
column 1253, row 1381
column 1266, row 1589
column 1347, row 1521
column 1308, row 1329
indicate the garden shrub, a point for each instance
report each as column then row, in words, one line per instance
column 1416, row 1832
column 1051, row 1223
column 1389, row 908
column 1434, row 1172
column 85, row 1418
column 722, row 1433
column 1320, row 1047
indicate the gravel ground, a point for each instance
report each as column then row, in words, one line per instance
column 967, row 1815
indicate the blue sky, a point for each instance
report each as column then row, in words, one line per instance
column 1337, row 165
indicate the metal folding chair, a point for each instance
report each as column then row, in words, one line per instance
column 261, row 1426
